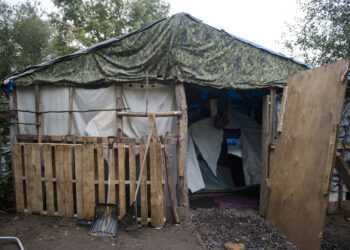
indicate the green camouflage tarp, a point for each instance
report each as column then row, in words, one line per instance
column 175, row 49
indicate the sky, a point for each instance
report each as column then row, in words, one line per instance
column 259, row 21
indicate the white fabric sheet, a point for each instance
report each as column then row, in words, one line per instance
column 194, row 175
column 51, row 97
column 208, row 140
column 251, row 147
column 26, row 101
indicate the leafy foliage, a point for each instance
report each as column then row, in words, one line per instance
column 82, row 23
column 323, row 35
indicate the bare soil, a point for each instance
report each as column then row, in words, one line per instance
column 208, row 228
column 44, row 232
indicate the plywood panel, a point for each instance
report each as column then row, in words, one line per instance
column 18, row 174
column 304, row 154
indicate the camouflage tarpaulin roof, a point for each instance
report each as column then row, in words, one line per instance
column 179, row 48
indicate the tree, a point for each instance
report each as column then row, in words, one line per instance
column 82, row 23
column 323, row 34
column 24, row 37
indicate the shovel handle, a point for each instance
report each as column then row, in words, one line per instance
column 111, row 140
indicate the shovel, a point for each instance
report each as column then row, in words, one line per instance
column 130, row 218
column 106, row 215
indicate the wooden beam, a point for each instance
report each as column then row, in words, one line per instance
column 272, row 115
column 38, row 114
column 144, row 114
column 119, row 106
column 282, row 110
column 182, row 188
column 70, row 114
column 264, row 188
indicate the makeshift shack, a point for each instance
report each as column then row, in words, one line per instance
column 205, row 88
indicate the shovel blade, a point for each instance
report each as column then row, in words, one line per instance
column 105, row 221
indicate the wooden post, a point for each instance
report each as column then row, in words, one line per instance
column 182, row 189
column 119, row 105
column 38, row 115
column 265, row 144
column 272, row 115
column 70, row 114
column 14, row 129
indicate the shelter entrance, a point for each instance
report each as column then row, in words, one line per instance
column 224, row 146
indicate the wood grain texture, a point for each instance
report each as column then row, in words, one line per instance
column 143, row 189
column 264, row 189
column 304, row 153
column 60, row 185
column 18, row 174
column 79, row 180
column 68, row 180
column 132, row 172
column 47, row 151
column 100, row 175
column 121, row 179
column 88, row 180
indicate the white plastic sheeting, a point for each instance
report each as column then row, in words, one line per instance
column 251, row 151
column 99, row 123
column 208, row 140
column 194, row 174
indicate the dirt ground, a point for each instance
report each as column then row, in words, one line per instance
column 208, row 228
column 44, row 232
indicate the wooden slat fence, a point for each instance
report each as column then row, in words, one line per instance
column 69, row 179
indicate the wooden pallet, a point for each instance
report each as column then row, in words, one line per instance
column 69, row 179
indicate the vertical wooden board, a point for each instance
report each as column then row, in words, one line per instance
column 264, row 189
column 157, row 196
column 79, row 180
column 88, row 178
column 38, row 191
column 143, row 188
column 100, row 174
column 303, row 157
column 68, row 180
column 60, row 185
column 29, row 175
column 18, row 174
column 111, row 172
column 121, row 178
column 50, row 206
column 132, row 172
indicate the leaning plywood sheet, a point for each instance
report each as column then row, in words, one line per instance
column 304, row 154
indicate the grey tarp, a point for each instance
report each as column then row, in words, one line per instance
column 180, row 48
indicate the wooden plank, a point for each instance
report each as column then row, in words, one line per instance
column 50, row 206
column 112, row 171
column 264, row 189
column 143, row 189
column 272, row 115
column 68, row 184
column 18, row 174
column 343, row 170
column 88, row 180
column 70, row 114
column 121, row 178
column 132, row 172
column 154, row 132
column 60, row 185
column 304, row 152
column 38, row 191
column 100, row 174
column 156, row 175
column 79, row 180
